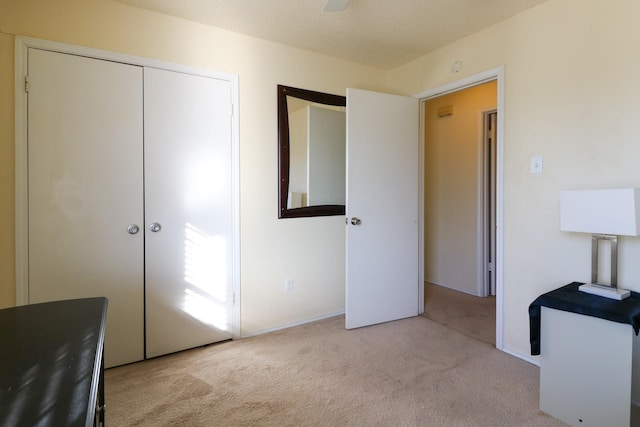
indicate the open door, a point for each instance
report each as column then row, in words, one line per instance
column 382, row 270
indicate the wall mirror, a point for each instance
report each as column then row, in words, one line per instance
column 311, row 153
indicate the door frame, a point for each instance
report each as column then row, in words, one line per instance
column 496, row 74
column 487, row 286
column 22, row 46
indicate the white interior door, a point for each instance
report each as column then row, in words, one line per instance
column 85, row 189
column 382, row 269
column 188, row 194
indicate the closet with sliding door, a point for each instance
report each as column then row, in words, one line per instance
column 127, row 188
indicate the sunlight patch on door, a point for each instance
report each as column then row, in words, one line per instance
column 205, row 181
column 205, row 310
column 205, row 269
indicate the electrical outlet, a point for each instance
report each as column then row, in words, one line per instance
column 288, row 285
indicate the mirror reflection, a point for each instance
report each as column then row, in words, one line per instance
column 312, row 149
column 317, row 161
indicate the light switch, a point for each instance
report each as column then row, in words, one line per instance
column 536, row 165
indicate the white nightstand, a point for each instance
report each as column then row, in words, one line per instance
column 586, row 369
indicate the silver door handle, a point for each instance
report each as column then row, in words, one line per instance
column 155, row 227
column 355, row 221
column 133, row 229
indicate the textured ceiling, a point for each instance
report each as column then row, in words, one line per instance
column 380, row 33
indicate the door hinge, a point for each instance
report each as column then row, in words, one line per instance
column 233, row 299
column 490, row 266
column 27, row 84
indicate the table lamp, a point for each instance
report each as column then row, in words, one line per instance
column 606, row 214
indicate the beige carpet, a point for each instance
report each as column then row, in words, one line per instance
column 469, row 314
column 412, row 372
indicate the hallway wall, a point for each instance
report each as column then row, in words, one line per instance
column 453, row 188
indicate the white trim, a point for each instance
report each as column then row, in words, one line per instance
column 22, row 46
column 29, row 42
column 474, row 80
column 291, row 325
column 421, row 211
column 235, row 198
column 485, row 287
column 455, row 86
column 21, row 175
column 532, row 360
column 480, row 207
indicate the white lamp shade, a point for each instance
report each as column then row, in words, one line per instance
column 612, row 211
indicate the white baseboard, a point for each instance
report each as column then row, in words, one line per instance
column 531, row 359
column 291, row 325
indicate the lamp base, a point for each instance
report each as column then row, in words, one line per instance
column 604, row 291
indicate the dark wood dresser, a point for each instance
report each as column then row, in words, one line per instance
column 51, row 363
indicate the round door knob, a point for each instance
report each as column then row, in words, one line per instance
column 155, row 227
column 133, row 229
column 355, row 221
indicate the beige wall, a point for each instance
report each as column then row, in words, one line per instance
column 311, row 251
column 7, row 182
column 571, row 96
column 453, row 179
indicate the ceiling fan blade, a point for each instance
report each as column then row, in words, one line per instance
column 336, row 5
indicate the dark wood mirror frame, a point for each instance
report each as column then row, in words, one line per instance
column 284, row 151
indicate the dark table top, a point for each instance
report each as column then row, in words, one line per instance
column 50, row 362
column 569, row 298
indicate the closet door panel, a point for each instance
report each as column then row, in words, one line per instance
column 85, row 189
column 188, row 196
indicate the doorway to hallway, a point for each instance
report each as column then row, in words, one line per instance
column 460, row 167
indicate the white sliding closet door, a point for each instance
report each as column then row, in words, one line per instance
column 131, row 196
column 188, row 183
column 85, row 189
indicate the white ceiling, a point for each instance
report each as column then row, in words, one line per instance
column 380, row 33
